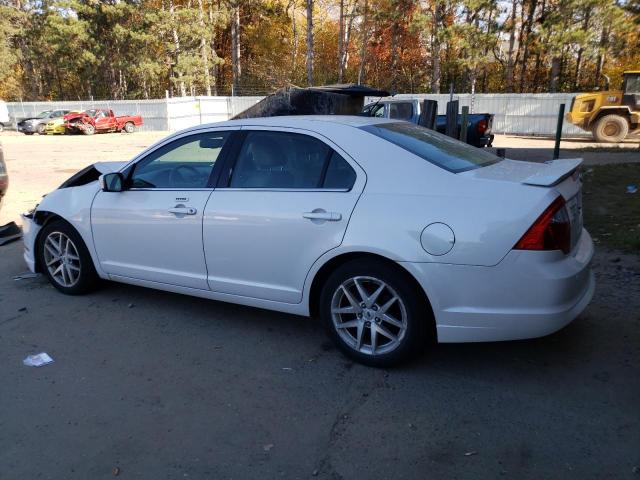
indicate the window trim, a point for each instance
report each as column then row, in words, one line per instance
column 224, row 180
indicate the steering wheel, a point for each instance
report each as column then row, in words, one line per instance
column 191, row 177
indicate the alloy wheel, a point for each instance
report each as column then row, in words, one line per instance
column 62, row 259
column 369, row 315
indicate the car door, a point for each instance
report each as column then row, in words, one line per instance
column 153, row 230
column 104, row 121
column 285, row 201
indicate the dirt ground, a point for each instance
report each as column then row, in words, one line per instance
column 39, row 164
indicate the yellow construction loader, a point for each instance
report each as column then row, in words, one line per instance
column 611, row 115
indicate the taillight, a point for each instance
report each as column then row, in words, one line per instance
column 481, row 126
column 551, row 231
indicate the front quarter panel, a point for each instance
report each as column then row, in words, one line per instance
column 74, row 205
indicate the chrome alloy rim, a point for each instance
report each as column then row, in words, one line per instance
column 62, row 259
column 369, row 315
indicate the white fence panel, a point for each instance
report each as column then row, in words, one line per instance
column 514, row 113
column 518, row 114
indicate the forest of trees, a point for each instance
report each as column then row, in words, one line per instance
column 128, row 49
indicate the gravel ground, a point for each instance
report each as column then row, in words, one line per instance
column 150, row 385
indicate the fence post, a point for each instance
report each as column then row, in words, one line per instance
column 429, row 114
column 463, row 124
column 452, row 119
column 556, row 148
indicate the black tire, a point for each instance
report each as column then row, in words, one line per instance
column 611, row 129
column 87, row 279
column 89, row 129
column 417, row 320
column 129, row 127
column 40, row 129
column 28, row 133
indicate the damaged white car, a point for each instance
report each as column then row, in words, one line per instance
column 392, row 234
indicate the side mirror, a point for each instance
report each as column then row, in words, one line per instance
column 112, row 182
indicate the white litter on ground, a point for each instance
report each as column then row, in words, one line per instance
column 37, row 360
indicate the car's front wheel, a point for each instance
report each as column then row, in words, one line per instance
column 375, row 313
column 40, row 129
column 65, row 260
column 129, row 127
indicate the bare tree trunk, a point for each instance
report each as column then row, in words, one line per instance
column 512, row 41
column 341, row 42
column 294, row 26
column 236, row 69
column 310, row 42
column 394, row 56
column 365, row 39
column 204, row 50
column 176, row 44
column 436, row 46
column 212, row 46
column 526, row 41
column 602, row 52
column 554, row 79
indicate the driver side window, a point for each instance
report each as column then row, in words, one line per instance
column 183, row 163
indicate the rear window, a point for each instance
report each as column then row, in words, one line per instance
column 434, row 147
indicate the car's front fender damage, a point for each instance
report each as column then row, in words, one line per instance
column 71, row 202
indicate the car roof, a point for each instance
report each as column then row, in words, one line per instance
column 310, row 122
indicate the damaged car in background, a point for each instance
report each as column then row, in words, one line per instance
column 394, row 235
column 101, row 120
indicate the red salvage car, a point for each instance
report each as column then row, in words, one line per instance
column 100, row 120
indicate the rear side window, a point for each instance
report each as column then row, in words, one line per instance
column 283, row 160
column 339, row 174
column 432, row 146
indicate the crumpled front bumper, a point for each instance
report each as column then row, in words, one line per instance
column 30, row 231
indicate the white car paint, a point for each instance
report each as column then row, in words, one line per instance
column 255, row 247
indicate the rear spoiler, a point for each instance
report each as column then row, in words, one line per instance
column 554, row 172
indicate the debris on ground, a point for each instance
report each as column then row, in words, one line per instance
column 37, row 360
column 9, row 233
column 267, row 447
column 131, row 305
column 23, row 309
column 471, row 453
column 632, row 188
column 24, row 276
column 116, row 471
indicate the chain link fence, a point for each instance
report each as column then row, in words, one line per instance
column 518, row 114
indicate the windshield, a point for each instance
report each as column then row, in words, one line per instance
column 434, row 147
column 44, row 114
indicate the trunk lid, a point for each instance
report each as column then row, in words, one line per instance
column 563, row 176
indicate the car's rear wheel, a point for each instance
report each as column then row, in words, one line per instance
column 374, row 313
column 129, row 127
column 65, row 260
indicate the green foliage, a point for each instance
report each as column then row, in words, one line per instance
column 70, row 49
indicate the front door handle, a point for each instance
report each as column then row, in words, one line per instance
column 180, row 210
column 319, row 214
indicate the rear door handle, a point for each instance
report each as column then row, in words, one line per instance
column 183, row 211
column 322, row 215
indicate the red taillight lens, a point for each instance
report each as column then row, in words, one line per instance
column 481, row 126
column 551, row 231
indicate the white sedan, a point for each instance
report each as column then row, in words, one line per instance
column 392, row 234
